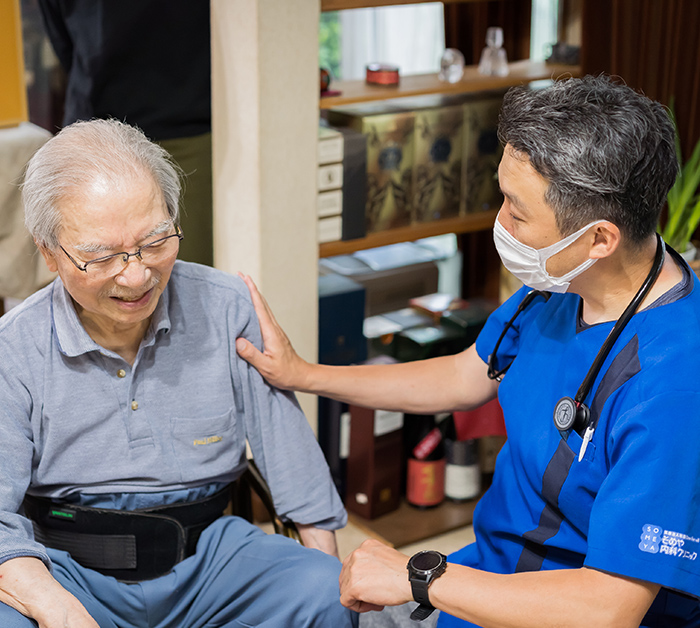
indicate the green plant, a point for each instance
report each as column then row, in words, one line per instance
column 329, row 43
column 683, row 200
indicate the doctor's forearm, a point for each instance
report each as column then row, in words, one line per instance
column 572, row 598
column 454, row 382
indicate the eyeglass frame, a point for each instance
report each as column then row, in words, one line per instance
column 125, row 256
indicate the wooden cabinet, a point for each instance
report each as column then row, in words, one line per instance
column 353, row 92
column 338, row 5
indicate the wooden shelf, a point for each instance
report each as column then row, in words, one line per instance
column 462, row 224
column 354, row 92
column 339, row 5
column 408, row 525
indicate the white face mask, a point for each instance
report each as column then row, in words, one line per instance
column 530, row 265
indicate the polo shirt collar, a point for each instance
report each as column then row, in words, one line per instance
column 72, row 338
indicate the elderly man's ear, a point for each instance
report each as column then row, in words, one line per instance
column 48, row 256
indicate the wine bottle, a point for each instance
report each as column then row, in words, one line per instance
column 425, row 467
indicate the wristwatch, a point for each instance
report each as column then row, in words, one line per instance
column 423, row 568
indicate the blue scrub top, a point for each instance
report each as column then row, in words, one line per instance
column 631, row 506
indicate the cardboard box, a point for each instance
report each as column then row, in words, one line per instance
column 330, row 177
column 13, row 94
column 330, row 146
column 329, row 203
column 330, row 229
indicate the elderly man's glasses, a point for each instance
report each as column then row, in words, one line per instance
column 150, row 253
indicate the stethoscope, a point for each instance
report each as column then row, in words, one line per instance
column 574, row 413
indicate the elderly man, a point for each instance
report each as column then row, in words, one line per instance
column 125, row 414
column 593, row 518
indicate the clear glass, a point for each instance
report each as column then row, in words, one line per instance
column 494, row 37
column 451, row 66
column 494, row 61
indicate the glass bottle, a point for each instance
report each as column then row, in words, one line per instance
column 425, row 467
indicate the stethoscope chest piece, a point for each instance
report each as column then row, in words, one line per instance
column 570, row 415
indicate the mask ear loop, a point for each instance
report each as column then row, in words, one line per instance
column 492, row 372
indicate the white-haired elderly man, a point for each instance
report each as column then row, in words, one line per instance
column 124, row 416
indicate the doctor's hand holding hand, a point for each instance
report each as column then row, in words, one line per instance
column 374, row 576
column 279, row 363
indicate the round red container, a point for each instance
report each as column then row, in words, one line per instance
column 382, row 74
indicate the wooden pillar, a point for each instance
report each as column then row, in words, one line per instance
column 265, row 90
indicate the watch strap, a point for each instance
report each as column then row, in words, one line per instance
column 419, row 588
column 421, row 612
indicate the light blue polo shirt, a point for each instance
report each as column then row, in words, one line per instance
column 77, row 419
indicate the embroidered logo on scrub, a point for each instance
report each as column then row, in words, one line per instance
column 656, row 540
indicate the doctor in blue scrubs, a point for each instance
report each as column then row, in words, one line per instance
column 593, row 517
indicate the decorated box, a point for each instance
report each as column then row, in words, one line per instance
column 389, row 132
column 437, row 167
column 482, row 154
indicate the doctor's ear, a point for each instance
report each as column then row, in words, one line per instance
column 607, row 239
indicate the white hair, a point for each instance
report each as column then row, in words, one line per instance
column 82, row 152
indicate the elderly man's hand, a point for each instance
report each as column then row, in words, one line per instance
column 374, row 576
column 27, row 586
column 279, row 364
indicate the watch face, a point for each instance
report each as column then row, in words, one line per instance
column 425, row 561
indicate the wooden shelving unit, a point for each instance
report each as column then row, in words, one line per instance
column 521, row 72
column 339, row 5
column 355, row 92
column 409, row 525
column 461, row 224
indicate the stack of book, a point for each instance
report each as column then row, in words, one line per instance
column 342, row 176
column 330, row 184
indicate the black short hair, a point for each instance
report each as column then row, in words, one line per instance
column 607, row 151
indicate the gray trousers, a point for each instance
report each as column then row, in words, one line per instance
column 396, row 617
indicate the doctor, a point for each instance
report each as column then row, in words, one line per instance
column 593, row 517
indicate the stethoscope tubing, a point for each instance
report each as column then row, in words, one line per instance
column 580, row 408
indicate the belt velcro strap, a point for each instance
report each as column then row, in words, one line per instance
column 96, row 551
column 128, row 545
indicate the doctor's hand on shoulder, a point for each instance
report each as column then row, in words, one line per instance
column 278, row 363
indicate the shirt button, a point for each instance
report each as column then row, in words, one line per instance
column 134, row 405
column 121, row 373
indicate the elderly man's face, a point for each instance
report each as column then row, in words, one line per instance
column 105, row 219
